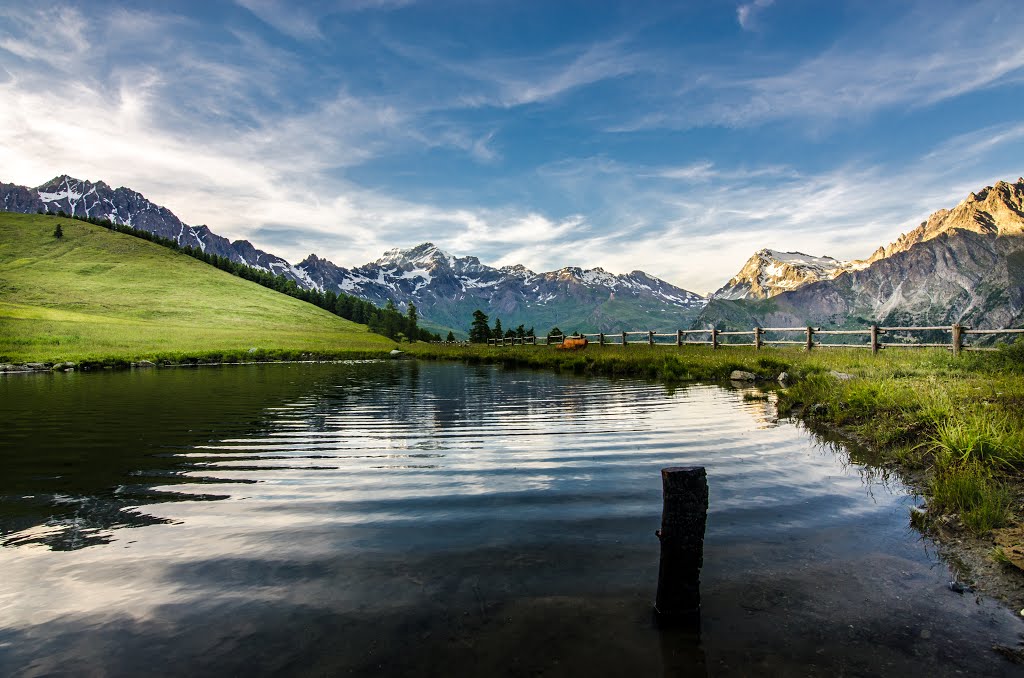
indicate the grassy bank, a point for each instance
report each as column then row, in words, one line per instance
column 954, row 426
column 98, row 296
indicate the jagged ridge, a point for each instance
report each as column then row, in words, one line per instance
column 447, row 289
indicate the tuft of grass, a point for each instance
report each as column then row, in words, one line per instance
column 977, row 438
column 998, row 555
column 971, row 491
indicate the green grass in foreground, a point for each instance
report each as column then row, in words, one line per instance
column 99, row 296
column 955, row 424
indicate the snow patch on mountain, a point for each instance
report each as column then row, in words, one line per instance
column 770, row 272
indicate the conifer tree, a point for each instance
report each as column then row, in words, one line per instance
column 480, row 331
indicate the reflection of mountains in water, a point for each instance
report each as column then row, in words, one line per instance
column 124, row 441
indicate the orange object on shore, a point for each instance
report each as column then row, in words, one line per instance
column 573, row 343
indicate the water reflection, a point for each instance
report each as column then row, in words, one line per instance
column 441, row 520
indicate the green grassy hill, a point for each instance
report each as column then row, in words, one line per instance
column 96, row 294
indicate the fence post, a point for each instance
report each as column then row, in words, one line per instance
column 679, row 337
column 874, row 340
column 757, row 338
column 714, row 338
column 600, row 339
column 683, row 524
column 958, row 341
column 810, row 337
column 650, row 337
column 623, row 340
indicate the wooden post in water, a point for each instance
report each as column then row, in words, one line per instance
column 683, row 521
column 623, row 340
column 714, row 338
column 958, row 339
column 650, row 337
column 757, row 338
column 810, row 337
column 874, row 340
column 679, row 337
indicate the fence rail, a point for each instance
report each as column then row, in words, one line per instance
column 873, row 334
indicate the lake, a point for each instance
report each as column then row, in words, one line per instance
column 402, row 518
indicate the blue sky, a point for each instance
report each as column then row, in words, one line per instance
column 675, row 138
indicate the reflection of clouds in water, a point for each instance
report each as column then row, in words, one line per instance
column 338, row 472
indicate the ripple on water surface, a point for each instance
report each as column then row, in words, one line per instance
column 442, row 519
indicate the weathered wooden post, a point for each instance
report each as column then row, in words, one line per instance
column 757, row 338
column 600, row 339
column 683, row 521
column 650, row 337
column 679, row 337
column 623, row 340
column 810, row 337
column 958, row 339
column 874, row 340
column 714, row 338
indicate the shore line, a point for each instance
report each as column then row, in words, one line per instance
column 950, row 428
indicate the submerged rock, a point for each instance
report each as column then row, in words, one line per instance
column 740, row 375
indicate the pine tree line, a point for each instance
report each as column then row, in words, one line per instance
column 388, row 321
column 480, row 330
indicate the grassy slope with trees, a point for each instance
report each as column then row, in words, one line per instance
column 95, row 294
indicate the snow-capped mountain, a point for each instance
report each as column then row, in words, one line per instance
column 446, row 289
column 770, row 272
column 964, row 264
column 130, row 208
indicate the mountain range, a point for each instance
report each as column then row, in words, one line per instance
column 964, row 264
column 446, row 289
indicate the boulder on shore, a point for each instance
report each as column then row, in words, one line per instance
column 740, row 375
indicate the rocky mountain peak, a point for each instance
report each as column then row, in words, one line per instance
column 517, row 270
column 993, row 210
column 770, row 272
column 425, row 255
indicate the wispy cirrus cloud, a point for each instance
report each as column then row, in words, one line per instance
column 918, row 59
column 508, row 150
column 746, row 13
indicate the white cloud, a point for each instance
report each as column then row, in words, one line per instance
column 290, row 18
column 746, row 14
column 182, row 124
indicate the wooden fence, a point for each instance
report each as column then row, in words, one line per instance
column 780, row 336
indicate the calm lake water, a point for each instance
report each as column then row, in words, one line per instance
column 433, row 519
